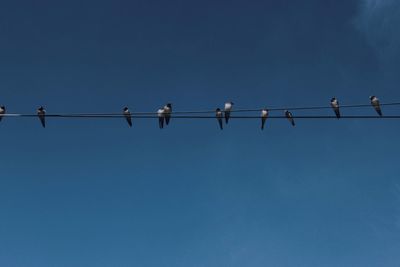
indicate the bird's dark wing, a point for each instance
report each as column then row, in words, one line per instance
column 378, row 110
column 263, row 122
column 227, row 116
column 43, row 120
column 337, row 112
column 220, row 123
column 129, row 120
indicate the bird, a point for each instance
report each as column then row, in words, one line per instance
column 128, row 116
column 2, row 112
column 375, row 104
column 335, row 106
column 41, row 112
column 161, row 117
column 289, row 116
column 227, row 109
column 219, row 115
column 167, row 112
column 264, row 116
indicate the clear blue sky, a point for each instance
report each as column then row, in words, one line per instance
column 96, row 193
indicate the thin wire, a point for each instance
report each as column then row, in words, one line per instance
column 202, row 117
column 213, row 111
column 139, row 114
column 289, row 108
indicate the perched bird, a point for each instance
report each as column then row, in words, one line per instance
column 335, row 106
column 289, row 116
column 227, row 110
column 41, row 112
column 167, row 112
column 161, row 117
column 264, row 116
column 2, row 112
column 219, row 115
column 128, row 116
column 375, row 104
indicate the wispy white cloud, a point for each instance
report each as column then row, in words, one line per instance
column 379, row 20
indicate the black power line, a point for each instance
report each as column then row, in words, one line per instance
column 201, row 111
column 187, row 114
column 198, row 117
column 288, row 108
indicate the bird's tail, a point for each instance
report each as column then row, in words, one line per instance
column 220, row 124
column 227, row 116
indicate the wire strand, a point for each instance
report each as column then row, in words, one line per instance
column 140, row 114
column 201, row 117
column 288, row 108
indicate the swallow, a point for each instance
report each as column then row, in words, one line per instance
column 128, row 116
column 41, row 112
column 335, row 106
column 219, row 115
column 264, row 116
column 375, row 104
column 227, row 110
column 289, row 116
column 161, row 117
column 167, row 112
column 2, row 112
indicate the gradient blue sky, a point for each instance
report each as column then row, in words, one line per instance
column 96, row 193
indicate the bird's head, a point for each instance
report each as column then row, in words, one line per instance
column 169, row 105
column 3, row 107
column 125, row 108
column 371, row 97
column 333, row 99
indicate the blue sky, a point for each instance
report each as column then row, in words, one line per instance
column 96, row 193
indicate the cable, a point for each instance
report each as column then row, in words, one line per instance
column 288, row 108
column 154, row 114
column 201, row 117
column 213, row 111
